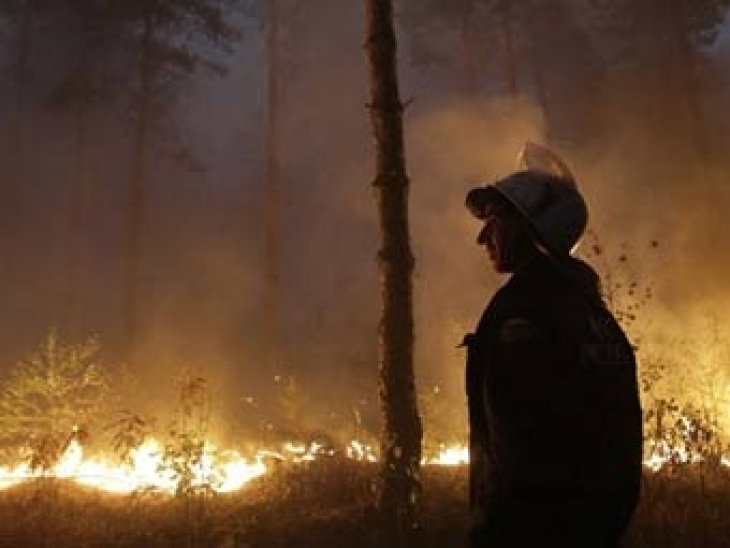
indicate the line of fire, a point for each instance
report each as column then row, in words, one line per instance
column 243, row 275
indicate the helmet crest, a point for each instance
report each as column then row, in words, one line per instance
column 534, row 157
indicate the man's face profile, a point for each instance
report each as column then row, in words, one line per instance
column 504, row 236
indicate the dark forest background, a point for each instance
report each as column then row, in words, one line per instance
column 136, row 176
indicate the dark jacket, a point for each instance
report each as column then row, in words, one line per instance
column 554, row 413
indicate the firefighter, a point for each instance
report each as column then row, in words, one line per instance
column 554, row 413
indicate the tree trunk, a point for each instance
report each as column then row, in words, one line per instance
column 470, row 58
column 510, row 54
column 76, row 214
column 690, row 84
column 136, row 190
column 539, row 79
column 271, row 303
column 690, row 108
column 402, row 431
column 17, row 125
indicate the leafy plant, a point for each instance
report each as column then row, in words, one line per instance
column 624, row 290
column 57, row 395
column 685, row 411
column 185, row 449
column 128, row 432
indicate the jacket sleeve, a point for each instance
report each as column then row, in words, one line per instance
column 479, row 437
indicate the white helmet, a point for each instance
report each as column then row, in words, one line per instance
column 545, row 194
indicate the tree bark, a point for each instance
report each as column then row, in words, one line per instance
column 272, row 207
column 510, row 54
column 539, row 81
column 402, row 431
column 17, row 125
column 136, row 190
column 470, row 58
column 76, row 215
column 690, row 83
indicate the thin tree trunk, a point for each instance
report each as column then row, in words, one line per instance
column 705, row 180
column 469, row 39
column 76, row 213
column 17, row 126
column 136, row 191
column 690, row 84
column 539, row 79
column 510, row 54
column 271, row 303
column 402, row 431
column 470, row 59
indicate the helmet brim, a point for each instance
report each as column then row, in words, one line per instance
column 477, row 200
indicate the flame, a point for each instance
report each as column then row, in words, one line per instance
column 13, row 476
column 361, row 451
column 225, row 473
column 455, row 455
column 661, row 454
column 228, row 471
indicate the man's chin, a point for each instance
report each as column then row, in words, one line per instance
column 496, row 266
column 500, row 267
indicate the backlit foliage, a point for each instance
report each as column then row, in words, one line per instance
column 55, row 396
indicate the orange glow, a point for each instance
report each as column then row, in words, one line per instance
column 225, row 472
column 228, row 471
column 455, row 455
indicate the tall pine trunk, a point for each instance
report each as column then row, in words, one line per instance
column 469, row 43
column 689, row 82
column 402, row 431
column 135, row 198
column 539, row 78
column 76, row 232
column 18, row 124
column 510, row 51
column 690, row 104
column 271, row 303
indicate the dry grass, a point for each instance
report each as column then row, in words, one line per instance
column 323, row 504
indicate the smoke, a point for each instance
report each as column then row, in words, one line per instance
column 453, row 147
column 653, row 210
column 202, row 274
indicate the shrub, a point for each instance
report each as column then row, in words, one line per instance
column 58, row 395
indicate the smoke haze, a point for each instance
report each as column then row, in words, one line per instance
column 202, row 274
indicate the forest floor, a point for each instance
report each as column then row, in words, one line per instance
column 322, row 504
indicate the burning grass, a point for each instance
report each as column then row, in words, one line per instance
column 320, row 492
column 325, row 503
